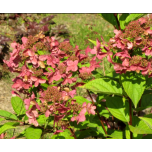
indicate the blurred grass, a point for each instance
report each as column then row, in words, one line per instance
column 85, row 26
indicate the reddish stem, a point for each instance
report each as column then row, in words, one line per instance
column 72, row 133
column 115, row 15
column 130, row 115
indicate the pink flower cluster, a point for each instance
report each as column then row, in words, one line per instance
column 130, row 50
column 85, row 108
column 55, row 68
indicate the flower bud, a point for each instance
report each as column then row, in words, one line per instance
column 32, row 103
column 65, row 97
column 40, row 35
column 66, row 89
column 25, row 78
column 41, row 63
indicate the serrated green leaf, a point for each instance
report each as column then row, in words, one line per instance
column 18, row 105
column 33, row 133
column 66, row 134
column 118, row 108
column 139, row 126
column 133, row 17
column 135, row 136
column 122, row 20
column 148, row 121
column 115, row 134
column 149, row 82
column 134, row 86
column 81, row 100
column 7, row 114
column 113, row 75
column 110, row 18
column 104, row 85
column 146, row 100
column 5, row 127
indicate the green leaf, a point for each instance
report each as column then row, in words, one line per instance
column 134, row 86
column 140, row 126
column 83, row 134
column 48, row 67
column 81, row 100
column 127, row 132
column 113, row 75
column 135, row 136
column 7, row 114
column 148, row 115
column 41, row 120
column 18, row 105
column 33, row 133
column 1, row 119
column 102, row 111
column 12, row 123
column 95, row 124
column 104, row 85
column 149, row 82
column 97, row 128
column 122, row 20
column 110, row 18
column 94, row 42
column 66, row 134
column 115, row 134
column 44, row 86
column 148, row 121
column 147, row 137
column 44, row 77
column 30, row 65
column 118, row 108
column 133, row 17
column 146, row 100
column 5, row 127
column 40, row 52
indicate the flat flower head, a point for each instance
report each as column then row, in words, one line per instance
column 117, row 32
column 72, row 65
column 129, row 45
column 24, row 40
column 91, row 109
column 142, row 20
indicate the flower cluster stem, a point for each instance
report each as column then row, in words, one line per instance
column 139, row 106
column 97, row 112
column 130, row 115
column 115, row 15
column 72, row 133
